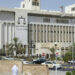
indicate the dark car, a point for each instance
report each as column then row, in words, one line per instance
column 39, row 61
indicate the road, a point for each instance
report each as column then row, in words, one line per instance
column 52, row 72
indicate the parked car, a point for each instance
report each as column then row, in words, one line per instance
column 48, row 63
column 52, row 64
column 0, row 58
column 25, row 62
column 7, row 58
column 55, row 65
column 39, row 61
column 71, row 62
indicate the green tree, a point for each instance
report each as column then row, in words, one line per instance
column 53, row 53
column 16, row 43
column 67, row 56
column 73, row 72
column 18, row 47
column 70, row 47
column 9, row 49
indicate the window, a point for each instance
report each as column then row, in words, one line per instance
column 73, row 9
column 35, row 3
column 23, row 5
column 3, row 46
column 46, row 20
column 62, row 21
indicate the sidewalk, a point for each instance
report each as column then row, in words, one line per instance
column 5, row 74
column 8, row 74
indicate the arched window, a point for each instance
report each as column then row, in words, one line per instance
column 23, row 5
column 73, row 9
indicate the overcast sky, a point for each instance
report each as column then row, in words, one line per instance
column 45, row 4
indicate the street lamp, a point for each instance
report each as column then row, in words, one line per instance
column 73, row 49
column 56, row 55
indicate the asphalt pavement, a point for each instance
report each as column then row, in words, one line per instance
column 68, row 67
column 52, row 72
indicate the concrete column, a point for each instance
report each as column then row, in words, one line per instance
column 74, row 33
column 62, row 34
column 71, row 34
column 46, row 35
column 0, row 34
column 6, row 34
column 65, row 33
column 43, row 34
column 59, row 34
column 32, row 38
column 40, row 33
column 68, row 34
column 9, row 33
column 53, row 33
column 56, row 33
column 49, row 34
column 36, row 32
column 33, row 32
column 13, row 31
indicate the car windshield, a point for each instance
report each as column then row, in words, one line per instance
column 48, row 62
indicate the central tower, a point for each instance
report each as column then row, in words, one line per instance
column 31, row 4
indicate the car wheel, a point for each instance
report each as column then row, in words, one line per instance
column 54, row 67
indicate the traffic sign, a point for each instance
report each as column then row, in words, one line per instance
column 43, row 54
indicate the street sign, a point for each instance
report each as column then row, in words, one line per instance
column 57, row 53
column 43, row 54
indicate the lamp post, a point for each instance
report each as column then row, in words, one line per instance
column 56, row 55
column 73, row 49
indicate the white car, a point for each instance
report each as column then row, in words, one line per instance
column 52, row 64
column 7, row 58
column 49, row 64
column 71, row 62
column 25, row 62
column 55, row 65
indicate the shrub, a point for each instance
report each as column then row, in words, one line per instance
column 73, row 72
column 2, row 52
column 68, row 73
column 67, row 57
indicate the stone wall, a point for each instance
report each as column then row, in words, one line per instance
column 27, row 69
column 35, row 69
column 6, row 66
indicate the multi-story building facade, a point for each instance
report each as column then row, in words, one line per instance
column 38, row 30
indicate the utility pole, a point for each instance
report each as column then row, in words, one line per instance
column 56, row 55
column 73, row 48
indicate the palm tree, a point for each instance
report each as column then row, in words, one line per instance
column 9, row 49
column 15, row 41
column 16, row 46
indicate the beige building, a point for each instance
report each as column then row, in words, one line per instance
column 38, row 30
